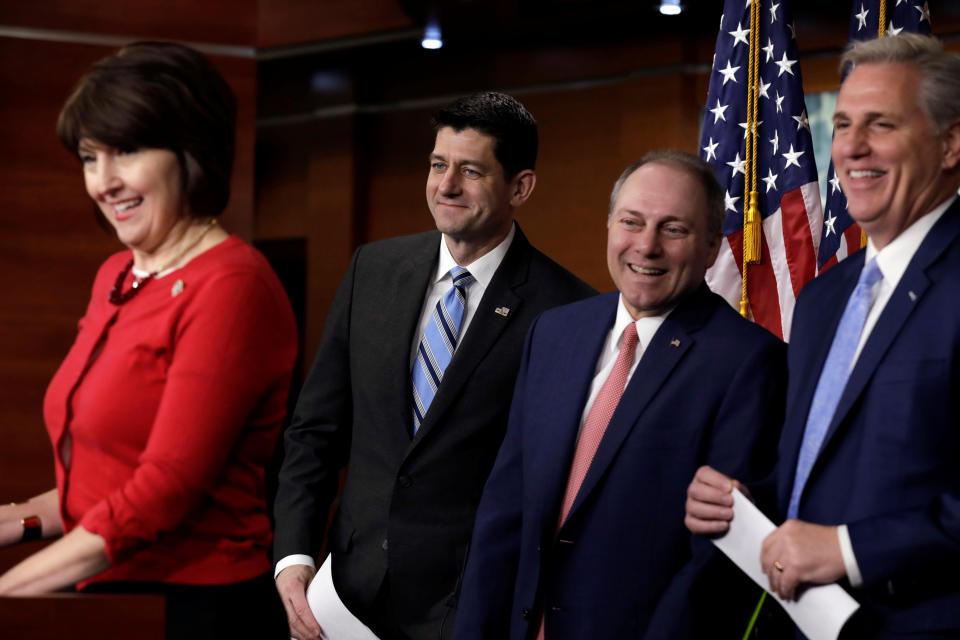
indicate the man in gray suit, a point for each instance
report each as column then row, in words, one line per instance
column 412, row 384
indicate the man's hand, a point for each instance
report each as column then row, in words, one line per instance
column 801, row 553
column 710, row 502
column 292, row 585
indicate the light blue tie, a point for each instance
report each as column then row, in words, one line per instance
column 438, row 343
column 833, row 378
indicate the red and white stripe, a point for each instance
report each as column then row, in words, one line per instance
column 791, row 236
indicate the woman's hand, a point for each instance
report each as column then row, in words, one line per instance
column 43, row 506
column 74, row 557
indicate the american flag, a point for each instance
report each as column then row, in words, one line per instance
column 789, row 195
column 840, row 236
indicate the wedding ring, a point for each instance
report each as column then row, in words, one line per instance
column 778, row 566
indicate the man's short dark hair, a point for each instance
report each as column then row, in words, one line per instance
column 160, row 95
column 503, row 118
column 695, row 167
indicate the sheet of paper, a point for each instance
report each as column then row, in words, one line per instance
column 334, row 617
column 820, row 612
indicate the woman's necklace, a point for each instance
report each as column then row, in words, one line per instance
column 118, row 296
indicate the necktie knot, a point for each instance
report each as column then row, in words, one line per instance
column 461, row 278
column 870, row 275
column 630, row 338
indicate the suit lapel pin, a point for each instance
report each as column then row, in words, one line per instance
column 502, row 311
column 913, row 296
column 675, row 342
column 177, row 289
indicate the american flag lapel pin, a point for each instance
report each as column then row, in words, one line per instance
column 502, row 311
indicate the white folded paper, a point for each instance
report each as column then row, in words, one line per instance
column 820, row 612
column 335, row 619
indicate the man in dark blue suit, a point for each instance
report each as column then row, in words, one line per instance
column 868, row 474
column 579, row 532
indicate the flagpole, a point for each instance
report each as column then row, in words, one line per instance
column 881, row 32
column 751, row 215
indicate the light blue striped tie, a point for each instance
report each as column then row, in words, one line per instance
column 438, row 343
column 833, row 378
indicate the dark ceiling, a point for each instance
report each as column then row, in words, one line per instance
column 512, row 20
column 521, row 45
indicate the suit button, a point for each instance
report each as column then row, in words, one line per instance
column 384, row 545
column 525, row 613
column 405, row 481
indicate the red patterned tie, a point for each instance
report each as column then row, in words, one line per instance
column 596, row 425
column 599, row 417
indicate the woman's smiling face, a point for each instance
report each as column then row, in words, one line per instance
column 139, row 192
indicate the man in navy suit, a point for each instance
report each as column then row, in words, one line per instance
column 602, row 552
column 873, row 499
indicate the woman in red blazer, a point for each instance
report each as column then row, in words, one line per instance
column 165, row 412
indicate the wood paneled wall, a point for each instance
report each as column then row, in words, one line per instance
column 285, row 22
column 224, row 22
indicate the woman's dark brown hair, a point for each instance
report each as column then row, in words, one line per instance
column 160, row 95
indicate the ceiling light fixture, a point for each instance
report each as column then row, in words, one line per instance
column 432, row 38
column 670, row 7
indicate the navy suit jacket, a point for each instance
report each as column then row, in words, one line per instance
column 709, row 389
column 889, row 467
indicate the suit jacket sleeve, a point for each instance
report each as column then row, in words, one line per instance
column 910, row 546
column 487, row 594
column 916, row 541
column 742, row 444
column 317, row 442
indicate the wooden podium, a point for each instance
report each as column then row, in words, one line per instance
column 82, row 617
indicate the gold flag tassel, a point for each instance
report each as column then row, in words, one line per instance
column 752, row 229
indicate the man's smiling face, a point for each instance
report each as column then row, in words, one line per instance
column 658, row 243
column 888, row 156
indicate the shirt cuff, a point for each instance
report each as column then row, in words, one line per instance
column 849, row 560
column 292, row 559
